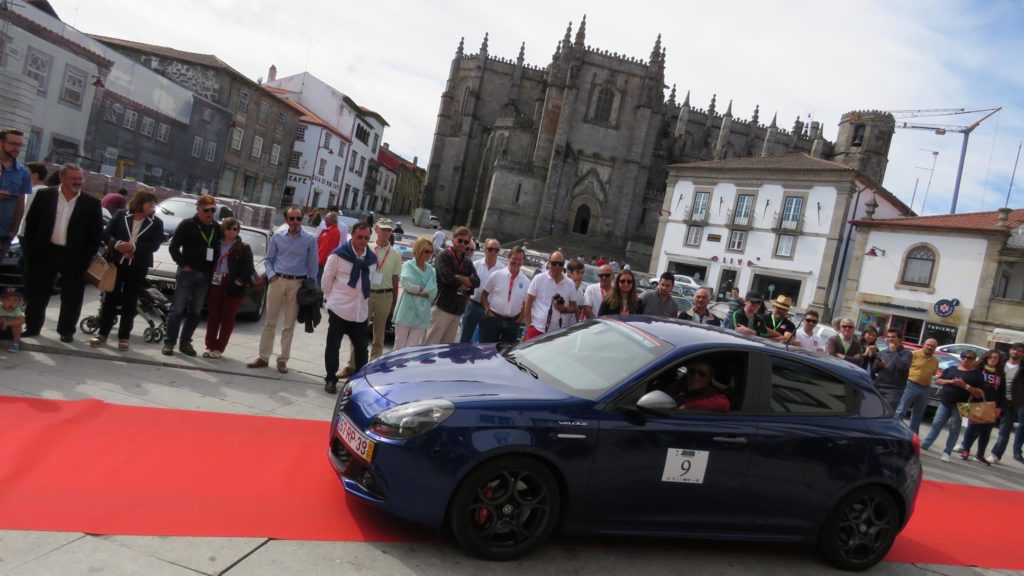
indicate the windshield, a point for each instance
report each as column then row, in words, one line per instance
column 590, row 358
column 182, row 208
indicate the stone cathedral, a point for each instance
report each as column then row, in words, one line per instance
column 578, row 149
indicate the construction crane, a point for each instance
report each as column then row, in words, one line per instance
column 926, row 112
column 941, row 130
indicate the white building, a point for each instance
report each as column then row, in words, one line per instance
column 363, row 128
column 316, row 165
column 955, row 278
column 774, row 225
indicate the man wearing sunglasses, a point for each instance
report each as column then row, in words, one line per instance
column 456, row 280
column 193, row 248
column 484, row 268
column 805, row 336
column 549, row 297
column 595, row 293
column 291, row 259
column 892, row 367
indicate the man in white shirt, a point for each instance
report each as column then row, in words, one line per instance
column 595, row 293
column 549, row 297
column 805, row 335
column 346, row 283
column 503, row 297
column 486, row 266
column 439, row 239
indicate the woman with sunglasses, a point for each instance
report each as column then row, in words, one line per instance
column 957, row 384
column 233, row 273
column 622, row 298
column 419, row 288
column 994, row 378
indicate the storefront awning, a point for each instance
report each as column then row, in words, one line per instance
column 1006, row 336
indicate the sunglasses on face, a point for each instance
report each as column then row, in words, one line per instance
column 209, row 210
column 295, row 218
column 493, row 249
column 604, row 275
column 361, row 237
column 556, row 263
column 625, row 281
column 968, row 357
column 845, row 327
column 810, row 321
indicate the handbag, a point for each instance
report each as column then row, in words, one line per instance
column 979, row 412
column 101, row 273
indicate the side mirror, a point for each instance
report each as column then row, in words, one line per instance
column 657, row 402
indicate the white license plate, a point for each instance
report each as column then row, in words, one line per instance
column 356, row 441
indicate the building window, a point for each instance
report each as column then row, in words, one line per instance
column 293, row 159
column 362, row 165
column 327, row 140
column 37, row 67
column 337, row 173
column 280, row 121
column 341, row 149
column 243, row 101
column 352, row 162
column 784, row 246
column 737, row 238
column 236, row 139
column 603, row 105
column 300, row 133
column 207, row 114
column 131, row 117
column 918, row 266
column 211, row 151
column 197, row 147
column 73, row 91
column 257, row 147
column 148, row 124
column 363, row 134
column 858, row 135
column 322, row 168
column 275, row 154
column 744, row 207
column 699, row 212
column 376, row 141
column 163, row 132
column 467, row 92
column 264, row 111
column 693, row 235
column 791, row 213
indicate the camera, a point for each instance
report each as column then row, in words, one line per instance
column 558, row 299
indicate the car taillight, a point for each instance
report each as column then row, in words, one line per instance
column 917, row 445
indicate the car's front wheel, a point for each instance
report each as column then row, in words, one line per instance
column 860, row 530
column 505, row 508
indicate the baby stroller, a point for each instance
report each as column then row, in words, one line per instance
column 153, row 307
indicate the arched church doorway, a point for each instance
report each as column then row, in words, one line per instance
column 582, row 221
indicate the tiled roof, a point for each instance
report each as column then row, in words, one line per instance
column 208, row 60
column 798, row 161
column 388, row 159
column 308, row 116
column 970, row 222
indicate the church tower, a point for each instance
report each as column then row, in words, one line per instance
column 863, row 142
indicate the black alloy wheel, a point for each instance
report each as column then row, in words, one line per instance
column 861, row 529
column 505, row 508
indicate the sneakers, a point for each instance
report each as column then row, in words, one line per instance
column 215, row 354
column 258, row 363
column 168, row 349
column 983, row 460
column 964, row 454
column 958, row 448
column 97, row 341
column 944, row 457
column 994, row 459
column 14, row 347
column 187, row 349
column 208, row 354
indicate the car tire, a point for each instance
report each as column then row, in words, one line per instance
column 861, row 529
column 505, row 508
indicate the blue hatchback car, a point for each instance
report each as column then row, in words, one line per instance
column 638, row 426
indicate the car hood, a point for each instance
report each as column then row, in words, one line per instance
column 458, row 372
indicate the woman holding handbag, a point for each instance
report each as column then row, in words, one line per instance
column 234, row 273
column 994, row 378
column 133, row 236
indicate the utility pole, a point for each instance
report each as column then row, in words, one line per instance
column 931, row 172
column 1013, row 175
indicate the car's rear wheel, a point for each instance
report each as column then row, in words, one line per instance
column 505, row 508
column 861, row 529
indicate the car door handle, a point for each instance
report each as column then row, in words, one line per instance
column 730, row 439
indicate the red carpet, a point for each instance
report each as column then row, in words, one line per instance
column 100, row 468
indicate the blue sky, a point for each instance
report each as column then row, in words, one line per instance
column 794, row 58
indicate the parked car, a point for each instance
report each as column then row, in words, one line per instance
column 174, row 210
column 958, row 349
column 575, row 431
column 433, row 222
column 162, row 274
column 687, row 281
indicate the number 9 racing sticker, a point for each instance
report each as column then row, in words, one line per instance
column 686, row 466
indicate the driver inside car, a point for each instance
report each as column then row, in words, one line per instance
column 696, row 391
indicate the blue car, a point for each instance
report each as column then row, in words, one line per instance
column 629, row 425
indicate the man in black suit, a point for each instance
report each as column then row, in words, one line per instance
column 62, row 232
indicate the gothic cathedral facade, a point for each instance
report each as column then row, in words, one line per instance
column 581, row 146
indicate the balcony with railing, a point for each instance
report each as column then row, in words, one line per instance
column 788, row 224
column 742, row 220
column 698, row 217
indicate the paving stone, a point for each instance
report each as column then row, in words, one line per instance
column 92, row 555
column 205, row 555
column 20, row 546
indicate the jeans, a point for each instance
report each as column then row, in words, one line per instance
column 499, row 329
column 944, row 413
column 915, row 397
column 1005, row 429
column 187, row 304
column 471, row 319
column 338, row 327
column 979, row 432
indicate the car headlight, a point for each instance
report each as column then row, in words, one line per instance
column 408, row 420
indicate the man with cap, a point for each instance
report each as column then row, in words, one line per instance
column 746, row 320
column 194, row 249
column 383, row 292
column 777, row 325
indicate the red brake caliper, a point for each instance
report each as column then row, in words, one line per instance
column 481, row 513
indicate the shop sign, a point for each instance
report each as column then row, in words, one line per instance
column 945, row 308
